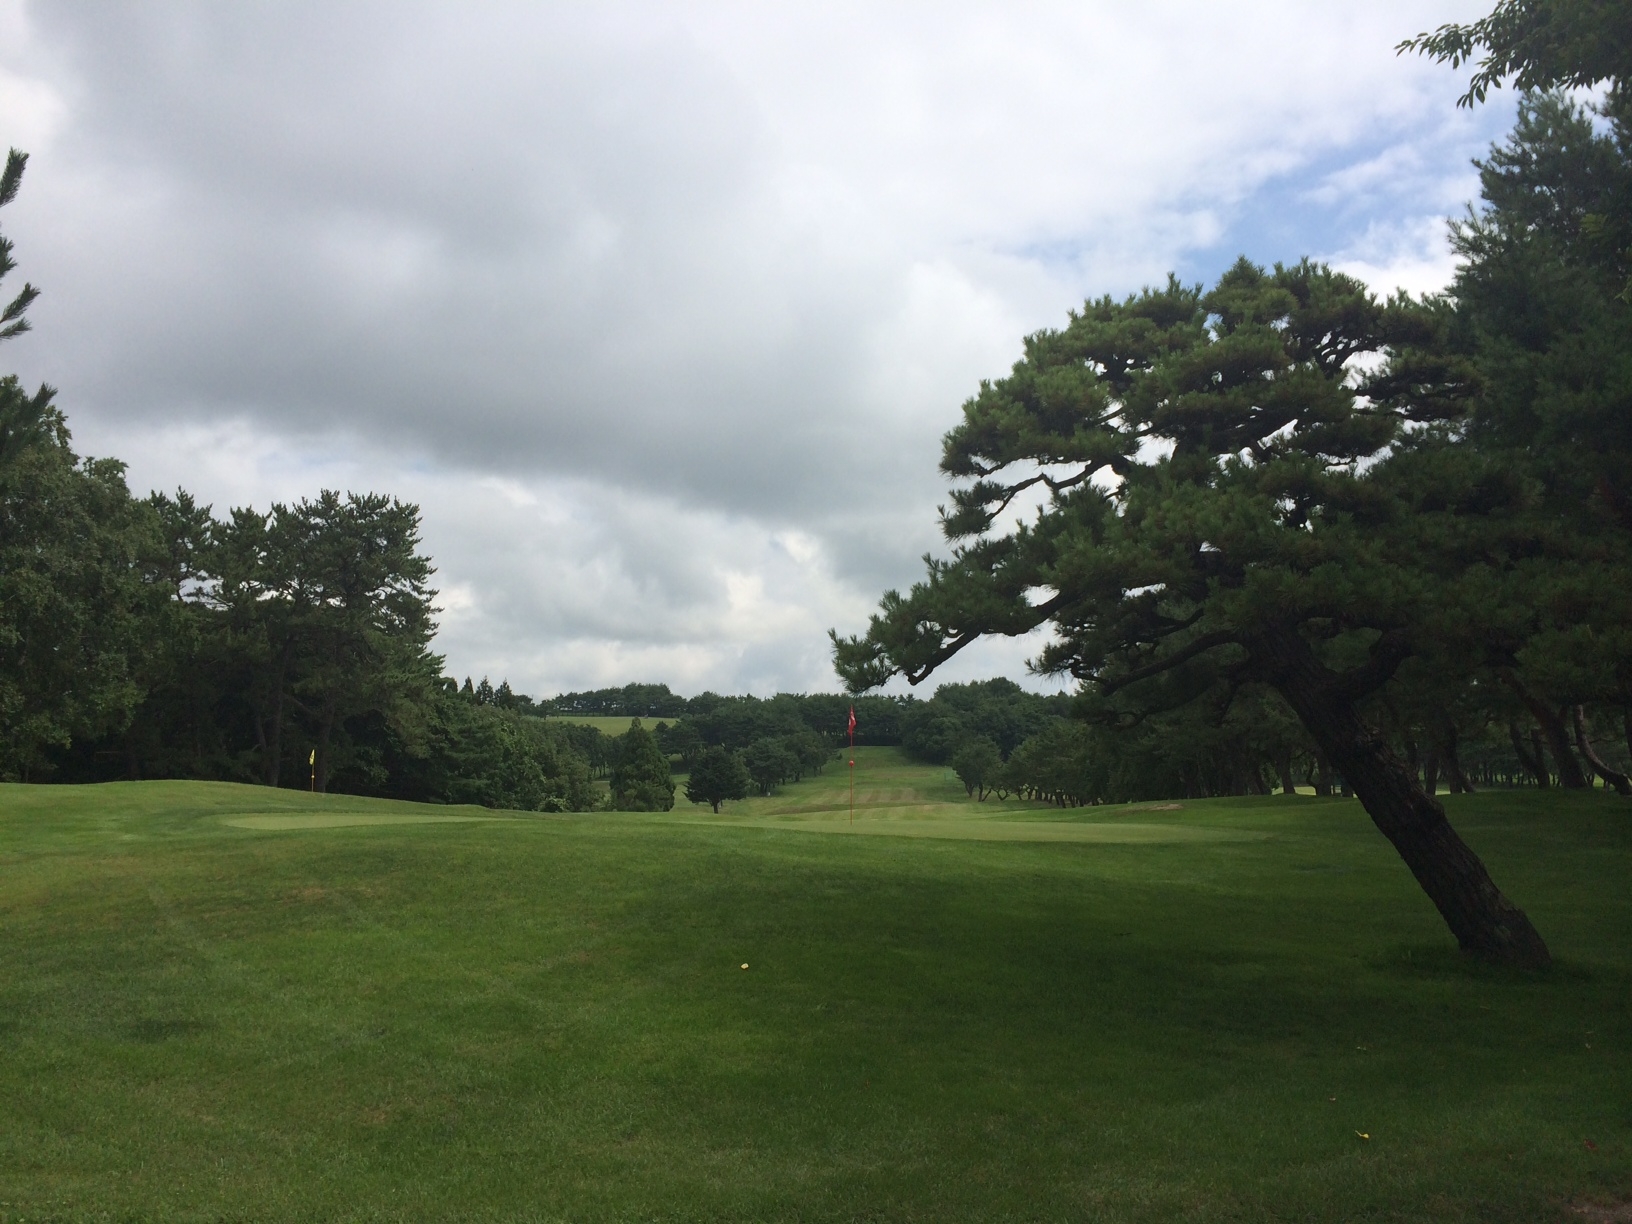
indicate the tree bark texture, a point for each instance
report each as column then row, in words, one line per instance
column 1484, row 922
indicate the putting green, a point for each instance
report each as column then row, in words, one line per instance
column 1004, row 830
column 339, row 820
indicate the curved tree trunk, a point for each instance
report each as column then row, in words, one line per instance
column 1610, row 775
column 1570, row 775
column 1534, row 762
column 1483, row 920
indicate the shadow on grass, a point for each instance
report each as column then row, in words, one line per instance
column 151, row 1031
column 1438, row 962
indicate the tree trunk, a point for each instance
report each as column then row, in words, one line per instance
column 1323, row 775
column 1535, row 763
column 1430, row 772
column 1484, row 922
column 1612, row 777
column 1283, row 766
column 1570, row 775
column 1453, row 761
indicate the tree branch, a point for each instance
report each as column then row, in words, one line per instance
column 1387, row 653
column 1201, row 645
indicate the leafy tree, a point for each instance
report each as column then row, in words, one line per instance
column 717, row 776
column 75, row 554
column 977, row 764
column 681, row 740
column 1056, row 765
column 74, row 601
column 640, row 779
column 330, row 601
column 769, row 763
column 1541, row 44
column 999, row 709
column 189, row 722
column 1251, row 485
column 810, row 749
column 369, row 624
column 496, row 758
column 1542, row 298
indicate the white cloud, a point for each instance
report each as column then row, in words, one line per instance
column 1414, row 255
column 659, row 310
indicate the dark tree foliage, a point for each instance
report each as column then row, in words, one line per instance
column 640, row 773
column 630, row 701
column 978, row 764
column 1057, row 765
column 999, row 709
column 717, row 776
column 1542, row 296
column 770, row 763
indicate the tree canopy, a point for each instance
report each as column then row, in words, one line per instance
column 1541, row 44
column 717, row 776
column 1254, row 485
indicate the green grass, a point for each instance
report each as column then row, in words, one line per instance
column 544, row 1018
column 606, row 725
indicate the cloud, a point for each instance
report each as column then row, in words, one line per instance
column 659, row 310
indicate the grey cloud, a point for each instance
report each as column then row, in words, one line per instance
column 690, row 275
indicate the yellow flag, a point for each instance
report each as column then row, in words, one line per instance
column 313, row 761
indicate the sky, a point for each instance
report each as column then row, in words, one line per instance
column 658, row 311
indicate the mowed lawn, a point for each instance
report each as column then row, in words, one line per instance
column 606, row 724
column 227, row 1003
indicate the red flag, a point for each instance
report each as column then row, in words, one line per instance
column 852, row 724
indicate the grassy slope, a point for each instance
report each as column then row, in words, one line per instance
column 544, row 1018
column 607, row 725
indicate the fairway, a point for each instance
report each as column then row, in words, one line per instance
column 221, row 1002
column 896, row 798
column 1007, row 831
column 606, row 724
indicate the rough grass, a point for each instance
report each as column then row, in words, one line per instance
column 545, row 1018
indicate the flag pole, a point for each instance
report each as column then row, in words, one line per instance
column 852, row 764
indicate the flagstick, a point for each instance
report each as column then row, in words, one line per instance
column 852, row 765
